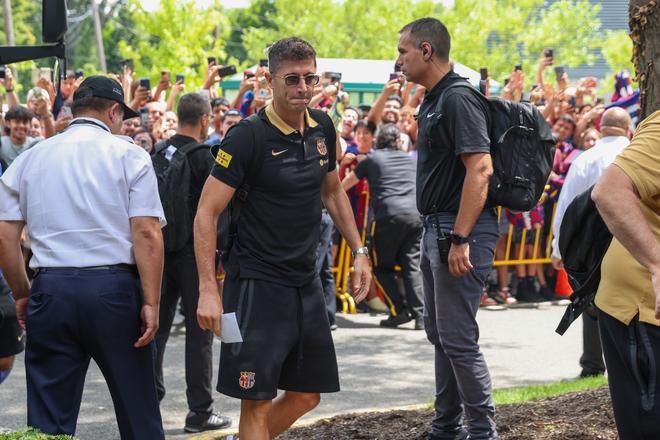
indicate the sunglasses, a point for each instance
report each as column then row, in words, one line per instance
column 294, row 80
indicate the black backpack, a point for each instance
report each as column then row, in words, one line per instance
column 228, row 220
column 583, row 241
column 173, row 173
column 522, row 150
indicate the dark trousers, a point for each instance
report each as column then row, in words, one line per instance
column 591, row 360
column 396, row 240
column 462, row 379
column 632, row 356
column 74, row 316
column 180, row 279
column 324, row 265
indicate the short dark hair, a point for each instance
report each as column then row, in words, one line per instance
column 92, row 103
column 567, row 118
column 289, row 49
column 220, row 101
column 389, row 137
column 18, row 112
column 432, row 31
column 357, row 111
column 396, row 98
column 191, row 108
column 366, row 124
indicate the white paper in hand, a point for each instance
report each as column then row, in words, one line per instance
column 230, row 332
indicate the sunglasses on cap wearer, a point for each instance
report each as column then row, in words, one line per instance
column 294, row 80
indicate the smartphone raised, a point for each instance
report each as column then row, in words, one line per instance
column 128, row 62
column 226, row 71
column 559, row 72
column 548, row 53
column 484, row 73
column 263, row 62
column 144, row 117
column 180, row 78
column 210, row 60
column 78, row 74
column 518, row 67
column 145, row 83
column 394, row 76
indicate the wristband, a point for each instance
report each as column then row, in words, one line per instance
column 458, row 239
column 361, row 250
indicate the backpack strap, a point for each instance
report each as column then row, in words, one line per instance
column 159, row 146
column 463, row 83
column 324, row 121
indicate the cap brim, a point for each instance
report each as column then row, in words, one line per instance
column 129, row 113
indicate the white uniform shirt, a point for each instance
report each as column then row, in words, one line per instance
column 583, row 174
column 76, row 192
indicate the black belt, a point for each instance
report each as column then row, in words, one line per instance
column 122, row 266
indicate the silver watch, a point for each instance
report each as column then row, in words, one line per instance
column 361, row 250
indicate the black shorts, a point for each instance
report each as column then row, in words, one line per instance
column 287, row 343
column 11, row 334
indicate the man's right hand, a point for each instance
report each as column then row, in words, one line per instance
column 149, row 315
column 209, row 309
column 21, row 311
column 557, row 263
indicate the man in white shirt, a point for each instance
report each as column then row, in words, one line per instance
column 583, row 174
column 90, row 203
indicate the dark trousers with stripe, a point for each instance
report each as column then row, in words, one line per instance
column 74, row 316
column 632, row 356
column 181, row 280
column 396, row 240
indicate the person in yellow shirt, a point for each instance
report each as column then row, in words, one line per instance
column 628, row 298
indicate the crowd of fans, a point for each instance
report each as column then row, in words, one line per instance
column 572, row 108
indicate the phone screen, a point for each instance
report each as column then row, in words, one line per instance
column 226, row 71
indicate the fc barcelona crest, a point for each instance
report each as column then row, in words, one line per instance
column 320, row 146
column 246, row 381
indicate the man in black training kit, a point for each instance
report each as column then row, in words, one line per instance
column 180, row 278
column 396, row 231
column 453, row 169
column 271, row 282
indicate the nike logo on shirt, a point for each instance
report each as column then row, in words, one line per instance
column 277, row 153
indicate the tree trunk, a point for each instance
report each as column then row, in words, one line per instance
column 644, row 21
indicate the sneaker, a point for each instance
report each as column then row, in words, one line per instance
column 487, row 301
column 505, row 294
column 527, row 292
column 419, row 323
column 377, row 305
column 395, row 321
column 198, row 423
column 334, row 327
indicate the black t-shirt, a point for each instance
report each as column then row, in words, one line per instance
column 461, row 127
column 391, row 177
column 278, row 229
column 201, row 163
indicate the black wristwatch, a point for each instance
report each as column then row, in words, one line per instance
column 457, row 238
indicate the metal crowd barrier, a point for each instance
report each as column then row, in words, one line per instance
column 541, row 254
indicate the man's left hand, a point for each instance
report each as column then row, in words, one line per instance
column 459, row 259
column 361, row 277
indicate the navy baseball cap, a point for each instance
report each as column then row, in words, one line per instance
column 99, row 86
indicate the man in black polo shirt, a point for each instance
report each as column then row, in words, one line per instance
column 180, row 278
column 271, row 282
column 397, row 227
column 453, row 169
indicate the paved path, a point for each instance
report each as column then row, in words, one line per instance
column 379, row 368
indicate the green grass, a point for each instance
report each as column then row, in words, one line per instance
column 32, row 434
column 538, row 392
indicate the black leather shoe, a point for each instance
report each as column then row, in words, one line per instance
column 395, row 321
column 198, row 423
